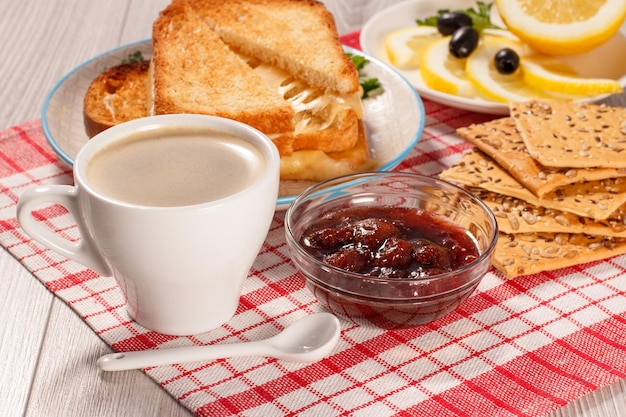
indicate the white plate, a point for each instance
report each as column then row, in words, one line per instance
column 394, row 120
column 401, row 15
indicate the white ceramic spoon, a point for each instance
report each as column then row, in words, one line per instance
column 307, row 340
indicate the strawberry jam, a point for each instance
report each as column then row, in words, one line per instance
column 390, row 242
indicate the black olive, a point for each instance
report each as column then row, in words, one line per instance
column 506, row 61
column 448, row 22
column 463, row 42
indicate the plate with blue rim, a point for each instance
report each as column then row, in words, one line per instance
column 394, row 118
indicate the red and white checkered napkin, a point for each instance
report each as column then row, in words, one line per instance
column 516, row 347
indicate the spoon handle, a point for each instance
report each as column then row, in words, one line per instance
column 147, row 358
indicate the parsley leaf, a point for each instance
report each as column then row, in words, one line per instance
column 431, row 20
column 358, row 61
column 134, row 57
column 480, row 18
column 370, row 86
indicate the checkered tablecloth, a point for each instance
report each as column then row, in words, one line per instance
column 520, row 347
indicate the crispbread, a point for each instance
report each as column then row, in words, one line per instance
column 525, row 254
column 517, row 216
column 501, row 140
column 594, row 199
column 223, row 84
column 572, row 135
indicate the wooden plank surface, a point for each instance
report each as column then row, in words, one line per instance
column 48, row 354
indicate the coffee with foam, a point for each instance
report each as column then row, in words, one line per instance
column 175, row 167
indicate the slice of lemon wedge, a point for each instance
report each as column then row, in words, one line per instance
column 482, row 73
column 551, row 74
column 562, row 27
column 443, row 72
column 404, row 47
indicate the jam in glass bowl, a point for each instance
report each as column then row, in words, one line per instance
column 396, row 249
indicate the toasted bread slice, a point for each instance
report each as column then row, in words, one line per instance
column 299, row 36
column 117, row 95
column 318, row 132
column 324, row 121
column 299, row 169
column 195, row 72
column 323, row 88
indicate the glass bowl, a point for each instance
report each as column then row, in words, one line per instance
column 386, row 301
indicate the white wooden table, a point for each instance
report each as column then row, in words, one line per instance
column 47, row 353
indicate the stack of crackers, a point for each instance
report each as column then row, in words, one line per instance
column 554, row 175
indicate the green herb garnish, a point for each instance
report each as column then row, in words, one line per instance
column 431, row 20
column 358, row 60
column 134, row 57
column 370, row 86
column 480, row 18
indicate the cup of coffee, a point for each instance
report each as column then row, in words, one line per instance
column 175, row 207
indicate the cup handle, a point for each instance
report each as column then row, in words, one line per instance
column 82, row 251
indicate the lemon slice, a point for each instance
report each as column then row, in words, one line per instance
column 405, row 46
column 562, row 27
column 482, row 73
column 554, row 75
column 443, row 72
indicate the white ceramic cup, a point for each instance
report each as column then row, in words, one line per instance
column 181, row 269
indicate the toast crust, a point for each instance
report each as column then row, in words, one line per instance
column 117, row 95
